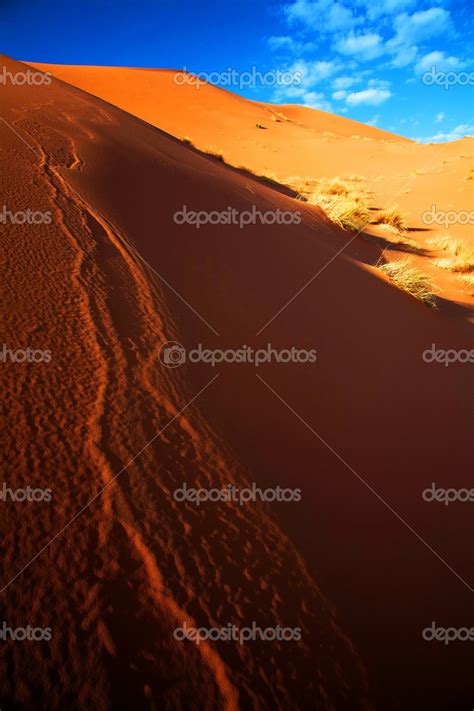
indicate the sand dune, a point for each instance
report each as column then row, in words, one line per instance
column 302, row 144
column 102, row 287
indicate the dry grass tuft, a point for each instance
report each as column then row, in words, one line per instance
column 459, row 259
column 342, row 204
column 467, row 279
column 409, row 279
column 354, row 178
column 344, row 210
column 334, row 186
column 392, row 219
column 439, row 242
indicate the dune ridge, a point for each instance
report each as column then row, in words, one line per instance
column 301, row 145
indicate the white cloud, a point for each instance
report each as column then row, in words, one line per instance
column 440, row 117
column 313, row 99
column 421, row 26
column 363, row 47
column 303, row 11
column 379, row 83
column 412, row 30
column 281, row 43
column 371, row 97
column 460, row 131
column 322, row 15
column 282, row 94
column 438, row 60
column 339, row 18
column 316, row 100
column 344, row 82
column 290, row 44
column 387, row 7
column 404, row 55
column 301, row 95
column 313, row 72
column 339, row 95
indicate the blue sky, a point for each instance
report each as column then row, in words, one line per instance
column 370, row 60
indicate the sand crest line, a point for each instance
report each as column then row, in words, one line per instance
column 366, row 484
column 131, row 247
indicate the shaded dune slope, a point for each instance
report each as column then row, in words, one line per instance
column 136, row 563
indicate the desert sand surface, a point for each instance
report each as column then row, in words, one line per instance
column 300, row 145
column 113, row 564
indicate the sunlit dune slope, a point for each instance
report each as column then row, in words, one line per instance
column 296, row 141
column 178, row 102
column 302, row 144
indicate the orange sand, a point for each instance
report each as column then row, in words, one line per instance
column 136, row 564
